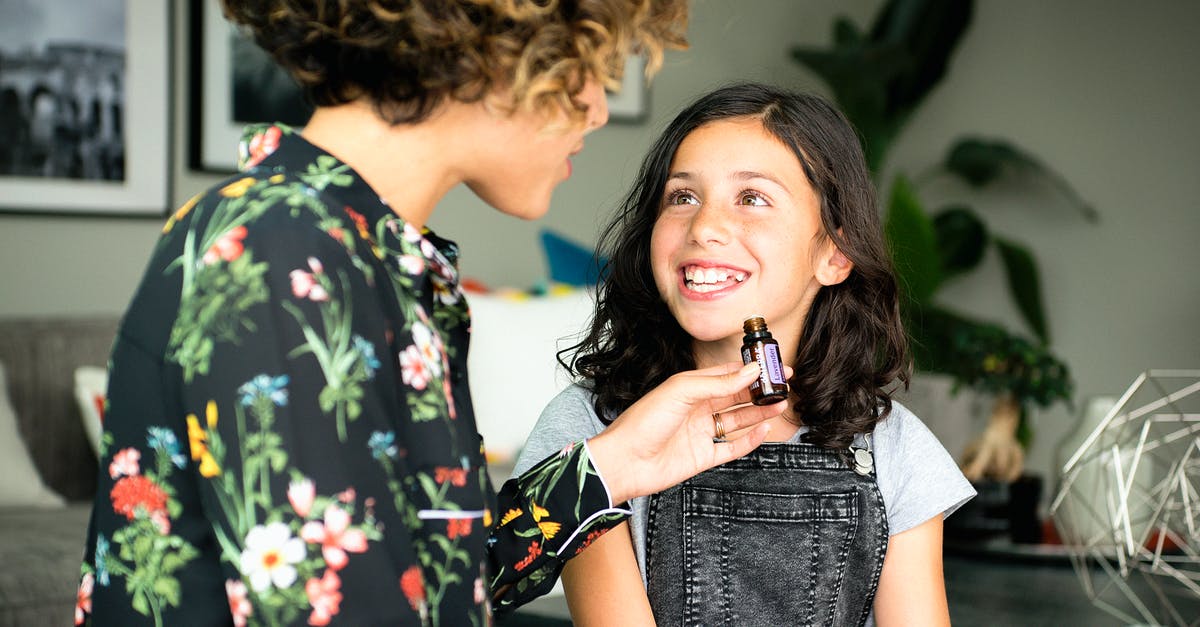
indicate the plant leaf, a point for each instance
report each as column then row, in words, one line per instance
column 981, row 161
column 913, row 243
column 927, row 31
column 961, row 239
column 1024, row 284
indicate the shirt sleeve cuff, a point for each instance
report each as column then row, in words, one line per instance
column 608, row 493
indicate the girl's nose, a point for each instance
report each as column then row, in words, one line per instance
column 709, row 226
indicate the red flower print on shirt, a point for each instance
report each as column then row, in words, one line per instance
column 262, row 145
column 449, row 394
column 125, row 462
column 591, row 537
column 535, row 550
column 306, row 284
column 83, row 598
column 131, row 493
column 456, row 527
column 335, row 537
column 360, row 223
column 412, row 584
column 239, row 604
column 413, row 370
column 300, row 494
column 456, row 476
column 325, row 597
column 228, row 247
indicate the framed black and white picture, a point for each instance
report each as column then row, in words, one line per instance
column 234, row 83
column 85, row 107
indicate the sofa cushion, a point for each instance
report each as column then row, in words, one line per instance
column 21, row 485
column 42, row 550
column 91, row 386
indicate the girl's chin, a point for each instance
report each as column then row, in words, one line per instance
column 712, row 333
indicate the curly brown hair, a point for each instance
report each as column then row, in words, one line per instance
column 409, row 56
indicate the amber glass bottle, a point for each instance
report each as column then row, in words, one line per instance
column 758, row 345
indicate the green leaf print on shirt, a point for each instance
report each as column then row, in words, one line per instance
column 288, row 552
column 347, row 360
column 221, row 281
column 144, row 552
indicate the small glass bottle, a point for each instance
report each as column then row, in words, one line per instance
column 758, row 345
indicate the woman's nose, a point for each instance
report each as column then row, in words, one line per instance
column 594, row 96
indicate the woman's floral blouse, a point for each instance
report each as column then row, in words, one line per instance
column 289, row 436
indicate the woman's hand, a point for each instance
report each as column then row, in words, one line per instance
column 667, row 435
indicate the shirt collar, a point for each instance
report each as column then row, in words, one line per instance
column 259, row 149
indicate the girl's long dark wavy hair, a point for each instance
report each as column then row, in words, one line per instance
column 853, row 346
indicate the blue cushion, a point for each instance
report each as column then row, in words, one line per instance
column 570, row 262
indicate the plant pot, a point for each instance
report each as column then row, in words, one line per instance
column 1000, row 510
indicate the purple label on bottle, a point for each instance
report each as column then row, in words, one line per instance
column 774, row 368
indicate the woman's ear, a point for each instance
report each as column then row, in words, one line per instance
column 832, row 266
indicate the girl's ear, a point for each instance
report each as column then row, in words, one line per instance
column 832, row 266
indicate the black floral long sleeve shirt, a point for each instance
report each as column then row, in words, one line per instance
column 289, row 437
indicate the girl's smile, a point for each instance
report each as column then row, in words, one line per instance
column 709, row 279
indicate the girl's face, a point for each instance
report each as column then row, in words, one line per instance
column 522, row 157
column 739, row 233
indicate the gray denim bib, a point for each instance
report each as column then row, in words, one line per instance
column 788, row 535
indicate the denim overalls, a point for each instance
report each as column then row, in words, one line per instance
column 788, row 535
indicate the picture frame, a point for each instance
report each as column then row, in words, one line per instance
column 222, row 103
column 632, row 103
column 87, row 120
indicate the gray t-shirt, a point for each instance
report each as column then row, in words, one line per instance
column 916, row 476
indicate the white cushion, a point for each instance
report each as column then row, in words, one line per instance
column 21, row 485
column 91, row 384
column 512, row 366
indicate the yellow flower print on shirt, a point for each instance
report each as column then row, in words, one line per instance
column 548, row 528
column 198, row 441
column 238, row 188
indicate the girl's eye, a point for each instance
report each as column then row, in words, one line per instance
column 753, row 199
column 682, row 197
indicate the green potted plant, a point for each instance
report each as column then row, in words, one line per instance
column 878, row 78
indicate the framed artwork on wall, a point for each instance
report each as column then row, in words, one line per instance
column 632, row 103
column 233, row 83
column 85, row 107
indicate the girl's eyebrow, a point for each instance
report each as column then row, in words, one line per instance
column 747, row 175
column 742, row 175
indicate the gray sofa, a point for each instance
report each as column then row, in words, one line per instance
column 40, row 548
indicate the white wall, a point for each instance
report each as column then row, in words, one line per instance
column 1106, row 92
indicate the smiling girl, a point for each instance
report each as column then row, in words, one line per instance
column 757, row 201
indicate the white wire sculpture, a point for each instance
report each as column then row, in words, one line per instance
column 1128, row 509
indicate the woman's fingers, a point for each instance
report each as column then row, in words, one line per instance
column 745, row 415
column 740, row 447
column 720, row 386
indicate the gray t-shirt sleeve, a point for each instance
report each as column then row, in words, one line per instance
column 917, row 477
column 567, row 418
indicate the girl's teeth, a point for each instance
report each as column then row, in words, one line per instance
column 709, row 279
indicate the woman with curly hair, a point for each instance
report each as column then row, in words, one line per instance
column 757, row 201
column 289, row 436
